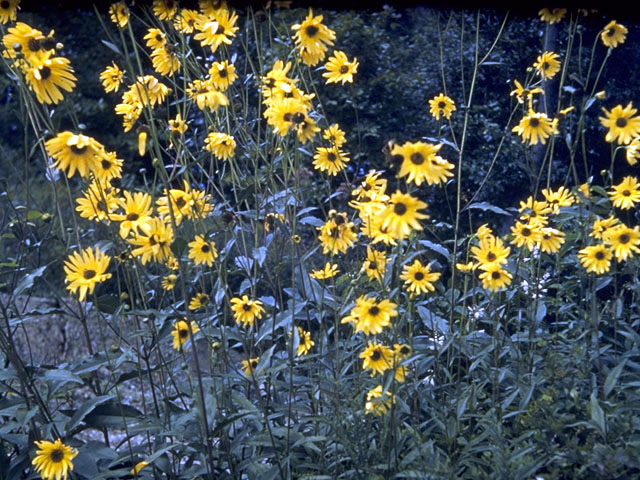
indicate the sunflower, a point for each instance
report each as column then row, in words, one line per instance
column 245, row 310
column 8, row 10
column 494, row 277
column 155, row 242
column 375, row 264
column 177, row 126
column 182, row 333
column 596, row 258
column 336, row 234
column 270, row 220
column 536, row 127
column 328, row 271
column 339, row 68
column 97, row 203
column 200, row 300
column 165, row 61
column 84, row 270
column 185, row 21
column 626, row 194
column 378, row 401
column 311, row 56
column 632, row 152
column 548, row 65
column 155, row 38
column 249, row 366
column 304, row 343
column 137, row 213
column 179, row 207
column 204, row 93
column 202, row 251
column 613, row 34
column 222, row 146
column 371, row 188
column 312, row 34
column 331, row 159
column 169, row 281
column 551, row 241
column 107, row 167
column 531, row 209
column 165, row 9
column 521, row 93
column 216, row 30
column 53, row 460
column 560, row 198
column 111, row 78
column 370, row 316
column 623, row 240
column 119, row 14
column 47, row 77
column 622, row 125
column 420, row 163
column 222, row 74
column 148, row 90
column 334, row 135
column 601, row 225
column 285, row 113
column 528, row 234
column 138, row 467
column 552, row 16
column 419, row 278
column 72, row 152
column 401, row 214
column 491, row 251
column 377, row 357
column 441, row 105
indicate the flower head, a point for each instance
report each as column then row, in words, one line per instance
column 441, row 105
column 84, row 270
column 377, row 357
column 613, row 34
column 47, row 77
column 202, row 251
column 340, row 69
column 111, row 78
column 245, row 311
column 536, row 127
column 418, row 278
column 402, row 214
column 547, row 65
column 328, row 271
column 596, row 258
column 182, row 333
column 622, row 125
column 53, row 460
column 626, row 194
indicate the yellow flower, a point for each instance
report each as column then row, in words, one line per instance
column 155, row 38
column 154, row 243
column 181, row 333
column 548, row 65
column 305, row 343
column 418, row 278
column 107, row 167
column 626, row 194
column 622, row 125
column 185, row 21
column 623, row 240
column 613, row 34
column 84, row 270
column 370, row 316
column 494, row 277
column 245, row 311
column 521, row 93
column 490, row 252
column 139, row 466
column 202, row 251
column 377, row 357
column 331, row 159
column 560, row 198
column 73, row 152
column 378, row 402
column 402, row 214
column 329, row 271
column 596, row 258
column 420, row 163
column 336, row 235
column 119, row 14
column 551, row 241
column 600, row 227
column 216, row 29
column 441, row 105
column 206, row 95
column 339, row 68
column 47, row 77
column 8, row 10
column 165, row 9
column 111, row 78
column 53, row 460
column 312, row 34
column 633, row 151
column 199, row 301
column 334, row 135
column 375, row 264
column 165, row 61
column 177, row 125
column 169, row 281
column 552, row 16
column 222, row 74
column 222, row 146
column 98, row 203
column 249, row 366
column 137, row 213
column 528, row 234
column 536, row 127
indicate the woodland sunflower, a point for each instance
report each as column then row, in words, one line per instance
column 202, row 251
column 613, row 34
column 311, row 56
column 111, row 78
column 47, row 77
column 372, row 317
column 165, row 61
column 336, row 234
column 623, row 240
column 177, row 126
column 72, row 152
column 84, row 270
column 222, row 145
column 339, row 68
column 490, row 252
column 521, row 93
column 547, row 65
column 378, row 401
column 552, row 16
column 560, row 198
column 180, row 205
column 185, row 21
column 495, row 278
column 420, row 163
column 632, row 152
column 53, row 460
column 626, row 194
column 596, row 258
column 601, row 225
column 312, row 33
column 536, row 127
column 137, row 213
column 532, row 209
column 8, row 10
column 205, row 94
column 330, row 159
column 249, row 366
column 622, row 125
column 377, row 357
column 165, row 9
column 119, row 14
column 182, row 333
column 169, row 281
column 154, row 243
column 419, row 278
column 306, row 129
column 216, row 30
column 372, row 188
column 107, row 167
column 222, row 74
column 97, row 203
column 375, row 265
column 402, row 214
column 155, row 38
column 551, row 241
column 441, row 105
column 334, row 135
column 245, row 311
column 199, row 301
column 148, row 90
column 285, row 113
column 328, row 271
column 305, row 343
column 526, row 234
column 28, row 43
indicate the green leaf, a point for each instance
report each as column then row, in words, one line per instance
column 84, row 410
column 435, row 247
column 612, row 378
column 27, row 281
column 107, row 303
column 484, row 206
column 597, row 415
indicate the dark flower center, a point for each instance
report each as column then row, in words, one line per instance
column 181, row 202
column 621, row 122
column 220, row 30
column 57, row 455
column 223, row 73
column 311, row 30
column 132, row 217
column 495, row 275
column 442, row 105
column 404, row 350
column 205, row 249
column 152, row 240
column 626, row 193
column 400, row 208
column 624, row 238
column 298, row 117
column 491, row 256
column 287, row 117
column 184, row 333
column 545, row 65
column 4, row 5
column 375, row 355
column 374, row 311
column 158, row 37
column 33, row 44
column 106, row 164
column 253, row 363
column 344, row 69
column 611, row 32
column 417, row 158
column 534, row 122
column 373, row 265
column 246, row 307
column 418, row 276
column 331, row 157
column 89, row 274
column 600, row 255
column 339, row 220
column 77, row 150
column 526, row 232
